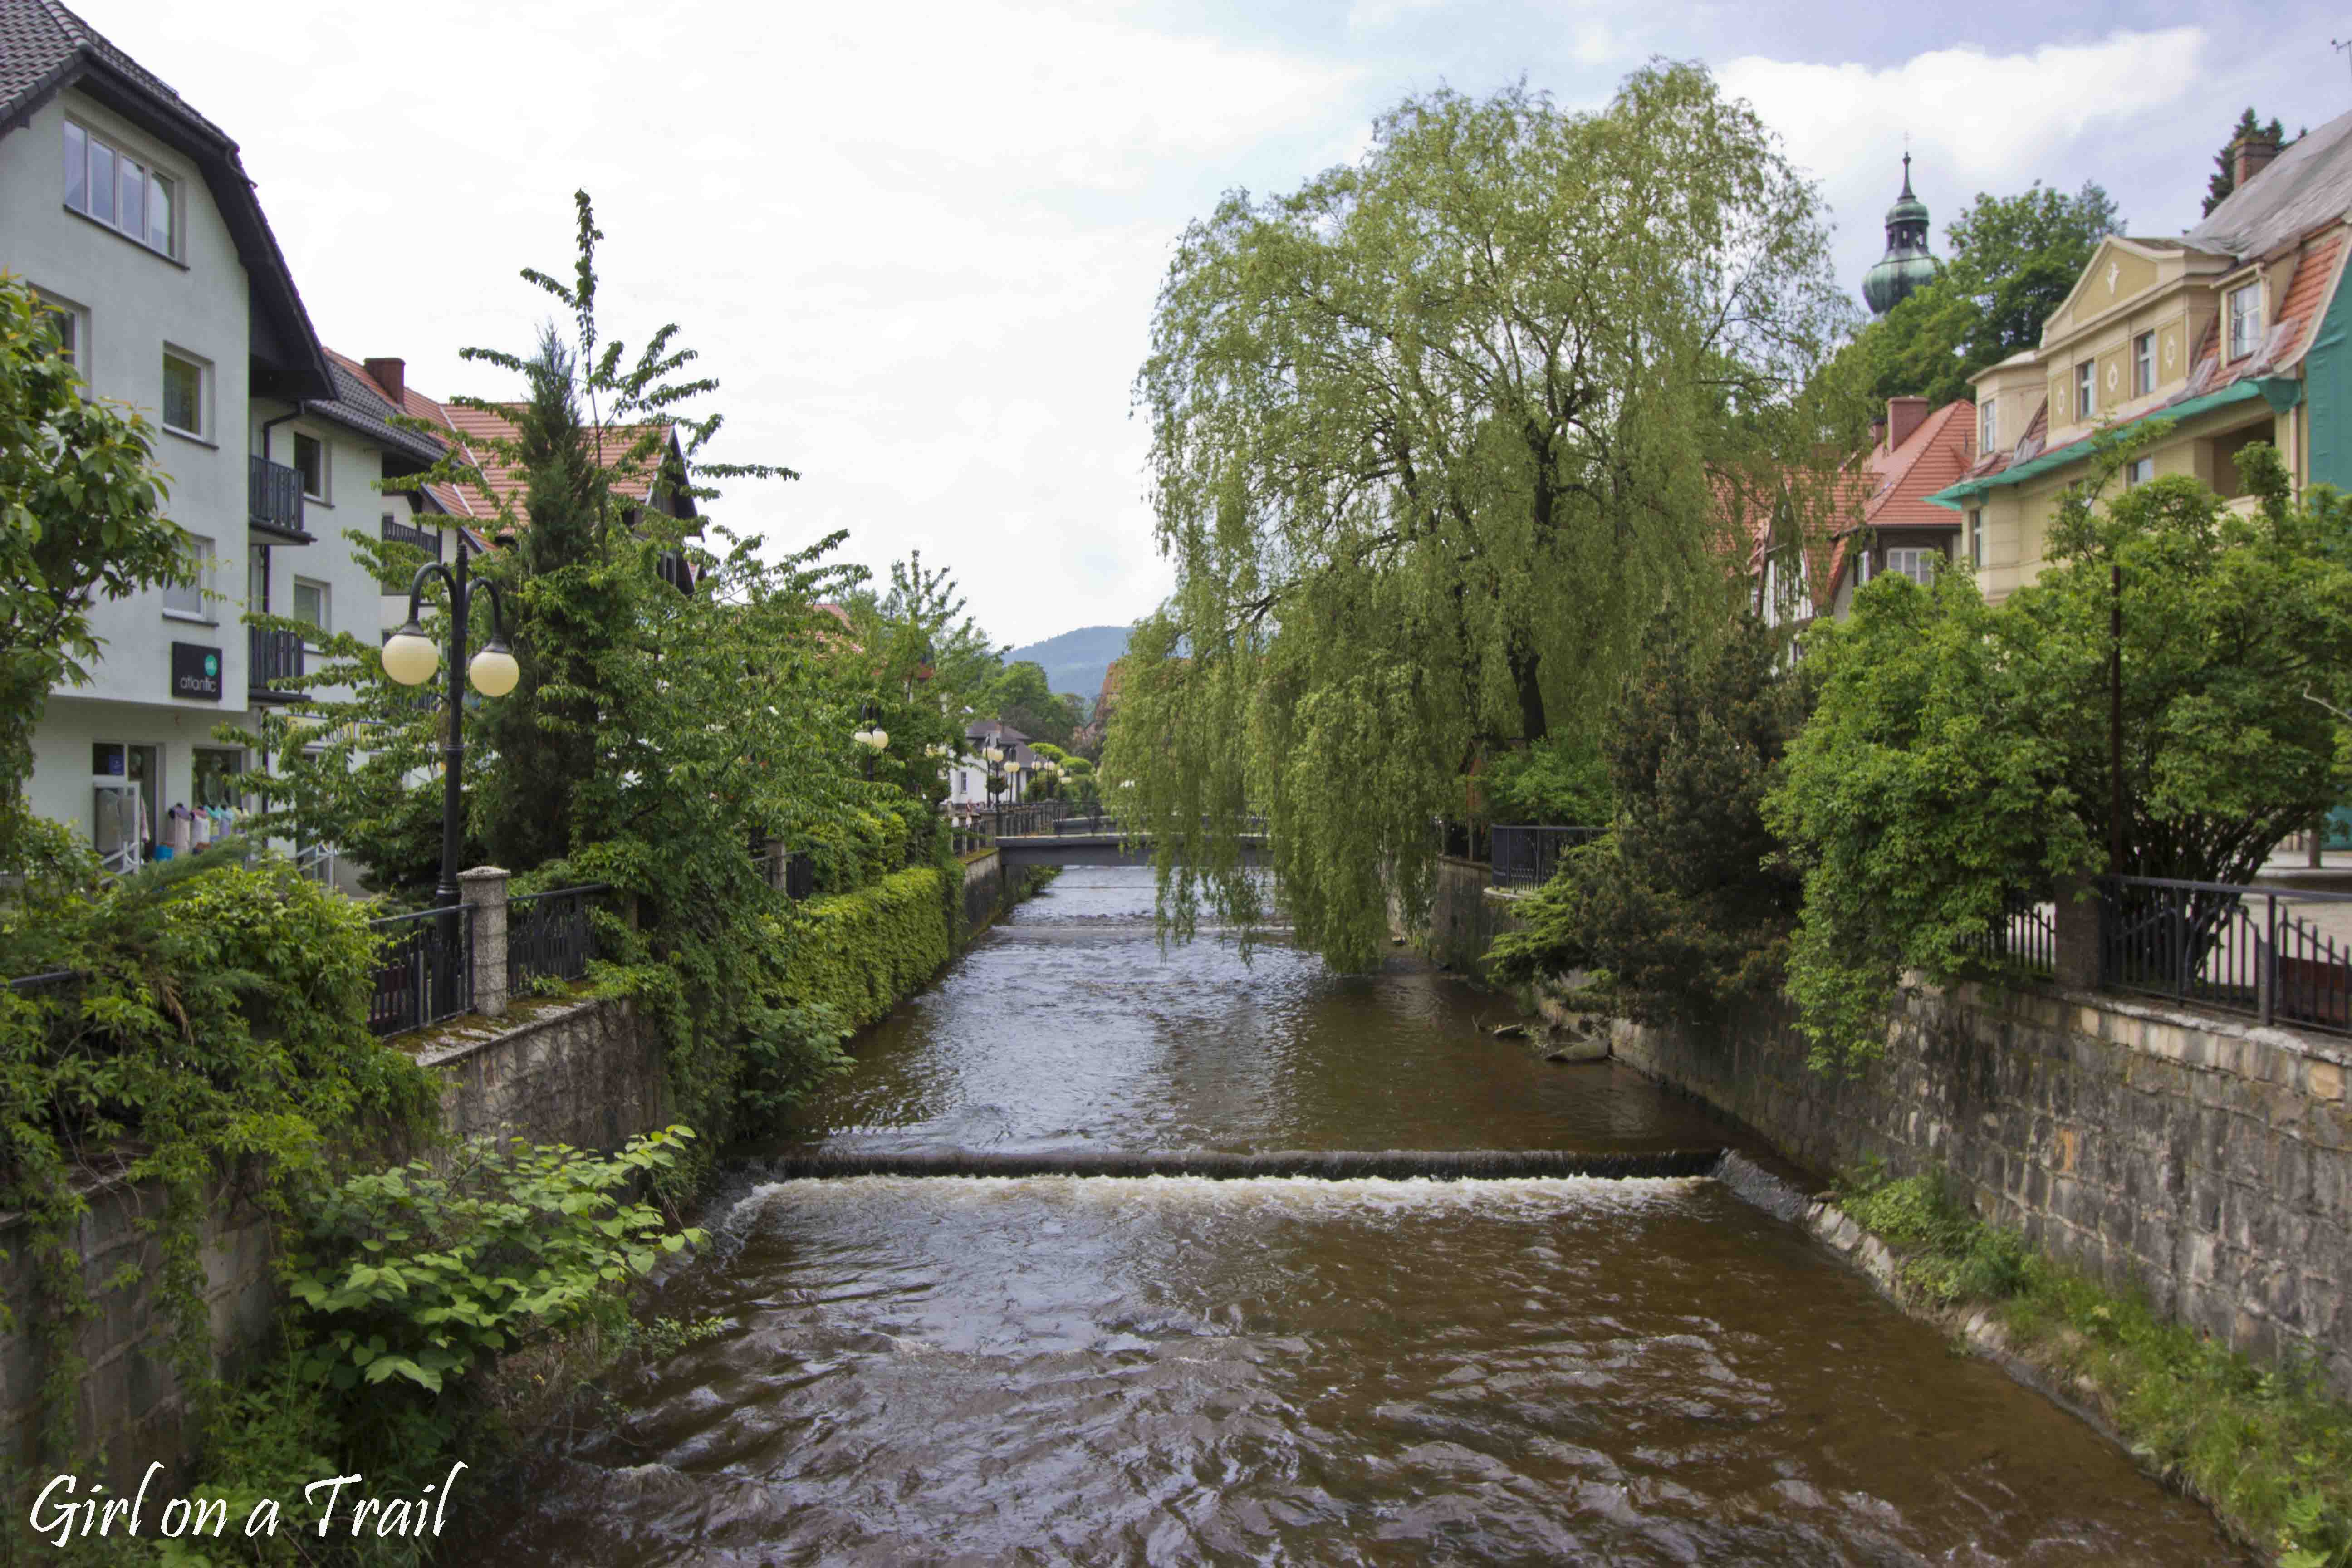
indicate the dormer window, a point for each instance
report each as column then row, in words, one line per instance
column 1988, row 425
column 2245, row 320
column 104, row 183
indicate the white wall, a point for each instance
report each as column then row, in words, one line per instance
column 137, row 301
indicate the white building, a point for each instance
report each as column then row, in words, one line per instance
column 967, row 772
column 133, row 217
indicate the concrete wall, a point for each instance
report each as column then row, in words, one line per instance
column 2208, row 1162
column 1466, row 916
column 985, row 894
column 588, row 1074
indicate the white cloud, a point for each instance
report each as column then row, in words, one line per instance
column 1975, row 120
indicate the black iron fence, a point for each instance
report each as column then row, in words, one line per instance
column 273, row 495
column 2022, row 941
column 276, row 655
column 1461, row 840
column 1525, row 855
column 550, row 935
column 425, row 970
column 2242, row 950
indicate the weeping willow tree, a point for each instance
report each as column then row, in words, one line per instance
column 1433, row 439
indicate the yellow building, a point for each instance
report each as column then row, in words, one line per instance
column 2233, row 332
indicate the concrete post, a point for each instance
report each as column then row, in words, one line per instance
column 2075, row 914
column 483, row 890
column 778, row 853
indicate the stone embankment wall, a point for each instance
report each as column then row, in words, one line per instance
column 1466, row 916
column 587, row 1073
column 2204, row 1161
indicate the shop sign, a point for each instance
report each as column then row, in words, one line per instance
column 195, row 671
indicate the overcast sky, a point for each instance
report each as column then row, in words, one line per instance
column 919, row 244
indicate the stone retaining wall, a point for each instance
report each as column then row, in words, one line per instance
column 2206, row 1160
column 1466, row 916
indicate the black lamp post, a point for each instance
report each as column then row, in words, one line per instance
column 410, row 658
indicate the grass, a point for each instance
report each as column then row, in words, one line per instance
column 2269, row 1448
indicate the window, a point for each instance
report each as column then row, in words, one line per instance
column 1988, row 426
column 189, row 598
column 1975, row 539
column 310, row 462
column 310, row 603
column 2086, row 390
column 184, row 395
column 1919, row 564
column 67, row 323
column 2245, row 320
column 2139, row 471
column 120, row 191
column 2143, row 364
column 1862, row 569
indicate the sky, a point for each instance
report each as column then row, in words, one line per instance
column 919, row 246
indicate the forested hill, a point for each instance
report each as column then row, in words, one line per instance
column 1074, row 661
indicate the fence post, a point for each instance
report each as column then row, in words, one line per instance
column 2074, row 934
column 777, row 854
column 483, row 889
column 2267, row 965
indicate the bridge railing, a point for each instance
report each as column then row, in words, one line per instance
column 1525, row 855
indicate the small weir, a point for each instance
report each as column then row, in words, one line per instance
column 1103, row 1257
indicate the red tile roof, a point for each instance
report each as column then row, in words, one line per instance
column 1936, row 453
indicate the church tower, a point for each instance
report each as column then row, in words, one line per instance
column 1907, row 264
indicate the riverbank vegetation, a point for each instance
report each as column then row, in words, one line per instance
column 2268, row 1448
column 1433, row 436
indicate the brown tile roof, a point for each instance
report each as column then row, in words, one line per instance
column 1938, row 451
column 477, row 428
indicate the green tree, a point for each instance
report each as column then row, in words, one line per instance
column 81, row 518
column 2013, row 261
column 1687, row 906
column 1432, row 437
column 1021, row 697
column 2224, row 178
column 1959, row 763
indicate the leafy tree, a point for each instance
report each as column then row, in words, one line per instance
column 1021, row 697
column 2013, row 261
column 1685, row 907
column 1432, row 437
column 81, row 518
column 2223, row 180
column 1959, row 761
column 1562, row 779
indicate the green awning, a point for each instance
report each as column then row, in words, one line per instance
column 2283, row 392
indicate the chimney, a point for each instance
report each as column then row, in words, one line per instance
column 392, row 374
column 1904, row 415
column 2249, row 155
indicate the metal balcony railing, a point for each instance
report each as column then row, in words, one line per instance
column 273, row 500
column 275, row 656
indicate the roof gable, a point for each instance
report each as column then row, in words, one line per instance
column 2120, row 270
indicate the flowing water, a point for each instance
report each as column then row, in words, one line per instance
column 1052, row 1369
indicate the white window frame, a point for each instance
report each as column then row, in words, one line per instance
column 203, row 430
column 1975, row 537
column 325, row 623
column 152, row 183
column 75, row 350
column 1989, row 425
column 2086, row 388
column 2245, row 320
column 2138, row 471
column 326, row 468
column 1901, row 560
column 2143, row 364
column 193, row 601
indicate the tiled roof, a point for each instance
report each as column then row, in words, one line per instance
column 476, row 428
column 2308, row 184
column 1935, row 453
column 359, row 404
column 40, row 40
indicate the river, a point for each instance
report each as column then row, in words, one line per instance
column 1090, row 1370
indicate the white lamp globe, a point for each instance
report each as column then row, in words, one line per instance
column 409, row 657
column 881, row 739
column 494, row 670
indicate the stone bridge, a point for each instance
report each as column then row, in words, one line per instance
column 1094, row 849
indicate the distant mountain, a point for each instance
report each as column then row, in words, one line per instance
column 1074, row 661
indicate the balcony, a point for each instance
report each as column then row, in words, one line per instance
column 276, row 655
column 273, row 503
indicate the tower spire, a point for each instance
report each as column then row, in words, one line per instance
column 1907, row 262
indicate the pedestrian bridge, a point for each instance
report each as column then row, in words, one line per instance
column 1100, row 848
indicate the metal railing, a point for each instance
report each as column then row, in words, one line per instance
column 273, row 495
column 428, row 540
column 275, row 656
column 2237, row 949
column 2024, row 941
column 1460, row 840
column 425, row 970
column 550, row 935
column 1525, row 855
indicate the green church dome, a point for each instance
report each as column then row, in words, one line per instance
column 1907, row 263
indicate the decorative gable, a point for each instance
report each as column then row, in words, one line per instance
column 2119, row 272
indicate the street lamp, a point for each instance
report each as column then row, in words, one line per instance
column 410, row 658
column 870, row 735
